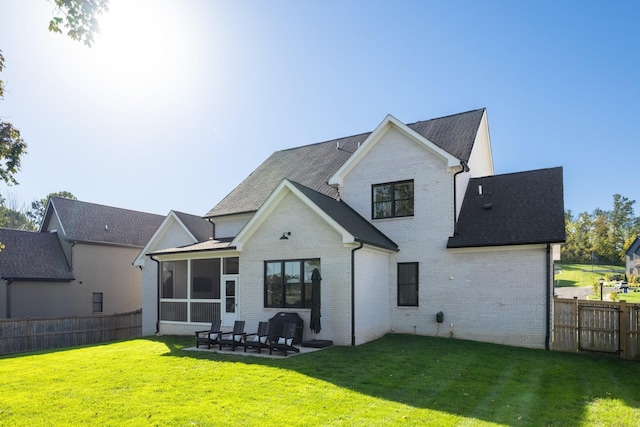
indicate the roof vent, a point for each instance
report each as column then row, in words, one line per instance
column 487, row 206
column 480, row 189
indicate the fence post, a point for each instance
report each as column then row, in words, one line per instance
column 576, row 326
column 623, row 329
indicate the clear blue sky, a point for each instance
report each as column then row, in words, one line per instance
column 178, row 101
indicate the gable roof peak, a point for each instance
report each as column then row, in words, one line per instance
column 313, row 165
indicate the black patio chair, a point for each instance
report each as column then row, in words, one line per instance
column 209, row 337
column 233, row 338
column 258, row 339
column 284, row 342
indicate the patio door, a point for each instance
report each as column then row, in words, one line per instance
column 230, row 298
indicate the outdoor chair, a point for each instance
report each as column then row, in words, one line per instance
column 233, row 338
column 258, row 339
column 284, row 342
column 209, row 337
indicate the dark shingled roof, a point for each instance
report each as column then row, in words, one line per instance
column 89, row 222
column 513, row 209
column 343, row 214
column 313, row 165
column 201, row 229
column 32, row 256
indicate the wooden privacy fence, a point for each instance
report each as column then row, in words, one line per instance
column 31, row 334
column 598, row 326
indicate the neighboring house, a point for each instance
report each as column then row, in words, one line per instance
column 404, row 223
column 79, row 263
column 632, row 258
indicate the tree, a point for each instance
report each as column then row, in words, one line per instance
column 79, row 18
column 38, row 207
column 12, row 146
column 12, row 214
column 622, row 222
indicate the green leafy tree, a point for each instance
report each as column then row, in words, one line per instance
column 79, row 18
column 621, row 220
column 38, row 207
column 12, row 146
column 12, row 214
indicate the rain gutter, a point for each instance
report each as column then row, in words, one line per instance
column 465, row 168
column 353, row 293
column 158, row 292
column 547, row 337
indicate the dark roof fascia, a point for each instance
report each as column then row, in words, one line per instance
column 366, row 242
column 501, row 245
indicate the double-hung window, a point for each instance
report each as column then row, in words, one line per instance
column 391, row 200
column 96, row 302
column 408, row 284
column 287, row 283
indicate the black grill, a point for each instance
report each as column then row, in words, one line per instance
column 276, row 323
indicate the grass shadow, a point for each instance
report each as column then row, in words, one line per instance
column 484, row 381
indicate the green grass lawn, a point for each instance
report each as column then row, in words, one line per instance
column 582, row 274
column 396, row 380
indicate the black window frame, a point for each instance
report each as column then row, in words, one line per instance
column 407, row 287
column 281, row 285
column 394, row 200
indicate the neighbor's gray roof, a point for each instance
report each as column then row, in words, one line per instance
column 201, row 229
column 634, row 247
column 362, row 230
column 513, row 209
column 89, row 222
column 32, row 256
column 313, row 165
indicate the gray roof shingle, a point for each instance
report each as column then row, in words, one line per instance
column 362, row 230
column 32, row 256
column 201, row 229
column 313, row 165
column 513, row 209
column 90, row 222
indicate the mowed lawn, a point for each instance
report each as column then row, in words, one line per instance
column 582, row 274
column 396, row 380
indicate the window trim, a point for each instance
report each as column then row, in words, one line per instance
column 100, row 302
column 400, row 286
column 283, row 285
column 393, row 200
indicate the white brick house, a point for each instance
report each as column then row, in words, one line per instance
column 404, row 222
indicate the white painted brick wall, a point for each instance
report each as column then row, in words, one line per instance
column 372, row 301
column 496, row 296
column 311, row 237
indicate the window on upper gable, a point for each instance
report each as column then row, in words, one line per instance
column 392, row 200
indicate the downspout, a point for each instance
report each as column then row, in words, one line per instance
column 547, row 337
column 158, row 293
column 465, row 168
column 8, row 289
column 213, row 231
column 353, row 293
